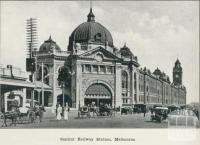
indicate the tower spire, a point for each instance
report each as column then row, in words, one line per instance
column 91, row 15
column 90, row 4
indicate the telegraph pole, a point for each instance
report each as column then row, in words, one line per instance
column 31, row 40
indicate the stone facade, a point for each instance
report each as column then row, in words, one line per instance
column 102, row 73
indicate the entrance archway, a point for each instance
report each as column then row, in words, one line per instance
column 66, row 99
column 98, row 93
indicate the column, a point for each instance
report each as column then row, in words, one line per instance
column 54, row 84
column 144, row 88
column 32, row 97
column 6, row 101
column 79, row 94
column 24, row 97
column 137, row 87
column 118, row 91
column 73, row 87
column 38, row 92
column 42, row 84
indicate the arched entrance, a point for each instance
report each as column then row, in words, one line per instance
column 66, row 99
column 98, row 93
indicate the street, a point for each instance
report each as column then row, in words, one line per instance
column 117, row 121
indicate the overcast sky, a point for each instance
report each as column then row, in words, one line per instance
column 156, row 32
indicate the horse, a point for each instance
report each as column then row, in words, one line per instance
column 12, row 115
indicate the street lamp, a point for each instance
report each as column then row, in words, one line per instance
column 79, row 101
column 63, row 93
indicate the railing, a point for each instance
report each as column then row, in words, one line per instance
column 16, row 72
column 57, row 53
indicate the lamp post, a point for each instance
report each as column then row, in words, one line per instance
column 79, row 101
column 42, row 84
column 63, row 94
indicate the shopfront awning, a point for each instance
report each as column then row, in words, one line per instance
column 39, row 85
column 16, row 83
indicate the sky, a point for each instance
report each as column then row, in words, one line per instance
column 157, row 32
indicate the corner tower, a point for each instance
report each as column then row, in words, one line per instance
column 177, row 73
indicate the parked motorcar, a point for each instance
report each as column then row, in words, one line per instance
column 140, row 108
column 172, row 108
column 126, row 110
column 84, row 111
column 159, row 114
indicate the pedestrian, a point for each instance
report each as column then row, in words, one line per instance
column 41, row 112
column 66, row 111
column 59, row 111
column 144, row 111
column 56, row 109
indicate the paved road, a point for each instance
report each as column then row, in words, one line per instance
column 117, row 121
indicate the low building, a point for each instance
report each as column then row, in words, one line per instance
column 14, row 86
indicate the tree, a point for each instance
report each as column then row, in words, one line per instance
column 64, row 76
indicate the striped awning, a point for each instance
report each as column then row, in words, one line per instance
column 98, row 90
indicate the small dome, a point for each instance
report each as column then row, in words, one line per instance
column 49, row 45
column 90, row 32
column 125, row 52
column 177, row 62
column 157, row 72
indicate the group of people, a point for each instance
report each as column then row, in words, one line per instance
column 39, row 111
column 62, row 112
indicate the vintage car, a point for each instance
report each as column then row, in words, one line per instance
column 139, row 108
column 126, row 109
column 84, row 111
column 159, row 114
column 172, row 108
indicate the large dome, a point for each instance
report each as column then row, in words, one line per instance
column 90, row 32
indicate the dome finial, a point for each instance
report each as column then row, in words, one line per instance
column 91, row 15
column 50, row 38
column 124, row 44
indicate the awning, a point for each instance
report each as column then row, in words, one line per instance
column 39, row 85
column 17, row 83
column 98, row 90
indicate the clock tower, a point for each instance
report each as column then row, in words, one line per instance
column 177, row 73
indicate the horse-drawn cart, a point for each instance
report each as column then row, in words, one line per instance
column 105, row 111
column 9, row 117
column 84, row 112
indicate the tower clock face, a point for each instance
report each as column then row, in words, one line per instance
column 177, row 76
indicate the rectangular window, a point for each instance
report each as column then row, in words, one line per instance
column 110, row 69
column 135, row 97
column 95, row 68
column 102, row 69
column 88, row 68
column 125, row 101
column 82, row 68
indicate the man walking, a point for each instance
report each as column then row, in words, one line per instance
column 41, row 112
